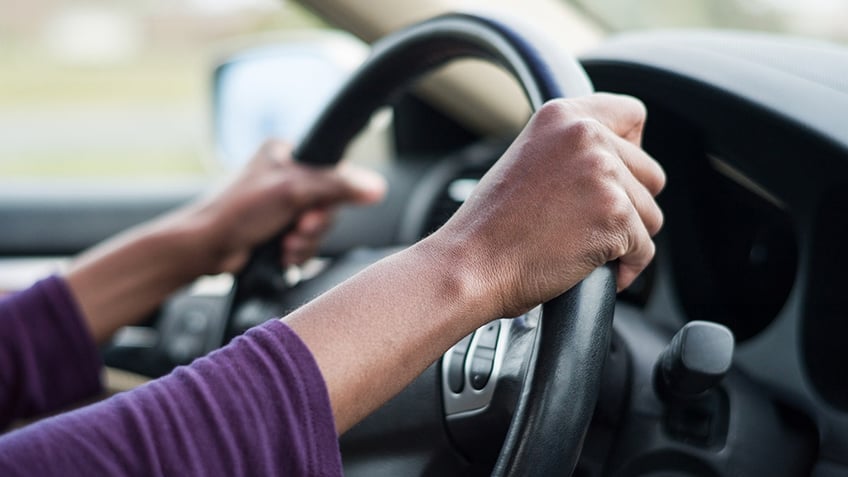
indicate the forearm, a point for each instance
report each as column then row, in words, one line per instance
column 372, row 335
column 256, row 407
column 47, row 358
column 120, row 281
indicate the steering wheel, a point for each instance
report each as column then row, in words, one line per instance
column 562, row 382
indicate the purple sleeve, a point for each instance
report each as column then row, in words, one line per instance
column 258, row 406
column 48, row 359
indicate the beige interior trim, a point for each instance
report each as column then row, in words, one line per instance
column 114, row 381
column 117, row 380
column 482, row 97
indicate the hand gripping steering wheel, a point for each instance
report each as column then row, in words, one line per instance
column 561, row 386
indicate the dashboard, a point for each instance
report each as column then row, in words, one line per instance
column 752, row 133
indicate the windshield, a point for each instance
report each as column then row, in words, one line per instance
column 817, row 18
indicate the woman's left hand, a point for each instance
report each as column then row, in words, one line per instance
column 273, row 193
column 120, row 281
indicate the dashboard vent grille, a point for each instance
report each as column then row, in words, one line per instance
column 451, row 197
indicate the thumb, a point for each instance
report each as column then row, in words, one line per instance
column 345, row 183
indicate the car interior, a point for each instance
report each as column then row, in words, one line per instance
column 722, row 359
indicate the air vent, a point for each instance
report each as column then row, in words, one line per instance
column 444, row 187
column 452, row 195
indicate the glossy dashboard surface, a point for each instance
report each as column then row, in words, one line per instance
column 752, row 132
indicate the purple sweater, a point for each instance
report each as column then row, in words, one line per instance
column 256, row 407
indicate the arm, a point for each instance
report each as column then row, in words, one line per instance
column 47, row 358
column 573, row 192
column 248, row 408
column 256, row 407
column 122, row 280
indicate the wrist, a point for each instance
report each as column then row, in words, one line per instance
column 463, row 276
column 121, row 280
column 185, row 239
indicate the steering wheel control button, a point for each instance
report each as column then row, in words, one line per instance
column 196, row 322
column 472, row 367
column 481, row 367
column 184, row 348
column 695, row 361
column 456, row 367
column 488, row 335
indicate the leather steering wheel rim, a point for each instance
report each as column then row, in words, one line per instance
column 563, row 379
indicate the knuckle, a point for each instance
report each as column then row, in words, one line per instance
column 617, row 215
column 555, row 110
column 599, row 167
column 659, row 181
column 584, row 133
column 629, row 107
column 636, row 108
column 287, row 190
column 274, row 149
column 271, row 144
column 657, row 221
column 632, row 114
column 650, row 253
column 615, row 223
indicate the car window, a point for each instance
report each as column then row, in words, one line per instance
column 118, row 88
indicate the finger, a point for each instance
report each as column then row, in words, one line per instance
column 314, row 222
column 275, row 152
column 649, row 212
column 624, row 115
column 329, row 186
column 637, row 258
column 321, row 185
column 643, row 167
column 302, row 242
column 284, row 260
column 364, row 186
column 298, row 249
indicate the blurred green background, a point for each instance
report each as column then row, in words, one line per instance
column 120, row 88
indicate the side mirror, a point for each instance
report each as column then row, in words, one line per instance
column 277, row 90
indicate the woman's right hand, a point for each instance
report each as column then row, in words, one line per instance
column 574, row 191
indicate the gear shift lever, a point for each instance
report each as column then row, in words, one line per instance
column 686, row 378
column 695, row 361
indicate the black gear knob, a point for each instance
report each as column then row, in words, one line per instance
column 696, row 360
